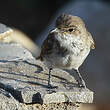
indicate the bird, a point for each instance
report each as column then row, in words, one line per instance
column 67, row 46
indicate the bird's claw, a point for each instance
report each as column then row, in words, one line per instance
column 82, row 84
column 52, row 87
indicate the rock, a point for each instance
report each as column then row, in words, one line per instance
column 53, row 106
column 58, row 97
column 16, row 36
column 12, row 51
column 26, row 79
column 7, row 102
column 4, row 31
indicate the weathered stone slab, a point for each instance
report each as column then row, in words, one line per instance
column 26, row 79
column 53, row 106
column 7, row 102
column 4, row 31
column 13, row 51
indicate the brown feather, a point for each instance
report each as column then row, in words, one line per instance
column 91, row 40
column 47, row 45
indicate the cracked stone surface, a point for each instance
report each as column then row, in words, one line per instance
column 26, row 79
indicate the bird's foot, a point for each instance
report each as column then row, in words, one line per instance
column 82, row 84
column 52, row 87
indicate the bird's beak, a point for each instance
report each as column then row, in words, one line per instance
column 54, row 30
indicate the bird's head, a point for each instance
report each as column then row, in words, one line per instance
column 70, row 25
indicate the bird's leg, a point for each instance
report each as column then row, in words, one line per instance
column 81, row 82
column 49, row 80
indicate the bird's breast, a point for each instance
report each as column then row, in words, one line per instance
column 73, row 45
column 68, row 52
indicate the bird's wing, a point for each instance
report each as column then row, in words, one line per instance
column 47, row 46
column 91, row 40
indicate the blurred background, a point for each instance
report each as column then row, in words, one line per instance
column 36, row 18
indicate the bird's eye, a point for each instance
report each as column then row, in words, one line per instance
column 70, row 30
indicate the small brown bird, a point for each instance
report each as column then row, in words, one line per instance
column 67, row 46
